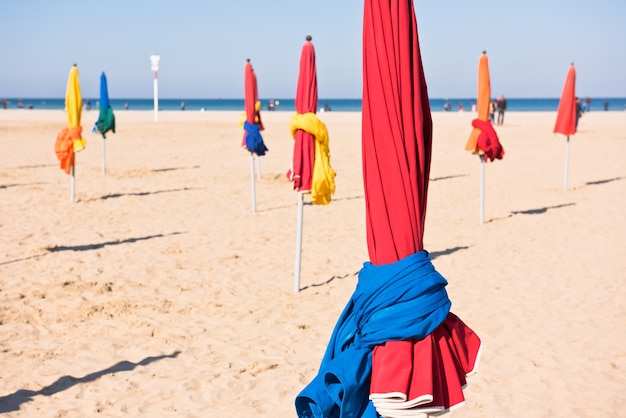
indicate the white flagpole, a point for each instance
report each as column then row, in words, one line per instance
column 252, row 182
column 296, row 279
column 566, row 163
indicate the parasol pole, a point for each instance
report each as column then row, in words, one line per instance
column 482, row 189
column 72, row 184
column 104, row 170
column 566, row 163
column 296, row 278
column 252, row 182
column 154, row 60
column 258, row 167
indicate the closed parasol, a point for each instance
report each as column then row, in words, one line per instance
column 252, row 124
column 483, row 139
column 311, row 171
column 106, row 118
column 396, row 350
column 70, row 140
column 566, row 115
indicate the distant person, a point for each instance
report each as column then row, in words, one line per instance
column 327, row 107
column 606, row 105
column 182, row 105
column 271, row 105
column 492, row 111
column 447, row 106
column 126, row 105
column 473, row 107
column 501, row 106
column 587, row 104
column 579, row 111
column 461, row 107
column 20, row 104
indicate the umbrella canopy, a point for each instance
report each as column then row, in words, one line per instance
column 396, row 349
column 566, row 113
column 106, row 118
column 483, row 139
column 70, row 139
column 252, row 139
column 311, row 170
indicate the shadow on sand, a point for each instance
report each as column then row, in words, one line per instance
column 13, row 401
column 89, row 247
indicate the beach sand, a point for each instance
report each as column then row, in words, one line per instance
column 159, row 293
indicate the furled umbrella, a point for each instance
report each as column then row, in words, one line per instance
column 311, row 171
column 252, row 124
column 396, row 349
column 566, row 115
column 483, row 139
column 70, row 140
column 106, row 118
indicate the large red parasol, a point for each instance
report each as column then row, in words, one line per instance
column 396, row 350
column 424, row 375
column 566, row 115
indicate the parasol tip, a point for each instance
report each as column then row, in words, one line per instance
column 248, row 60
column 572, row 63
column 484, row 52
column 75, row 65
column 309, row 38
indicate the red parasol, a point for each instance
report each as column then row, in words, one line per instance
column 566, row 115
column 252, row 139
column 310, row 171
column 301, row 172
column 425, row 375
column 396, row 350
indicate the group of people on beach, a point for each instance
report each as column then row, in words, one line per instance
column 498, row 107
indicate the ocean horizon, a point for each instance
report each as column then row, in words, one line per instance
column 288, row 105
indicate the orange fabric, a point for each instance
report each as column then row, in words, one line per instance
column 64, row 147
column 483, row 101
column 566, row 113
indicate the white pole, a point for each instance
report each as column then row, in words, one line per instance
column 156, row 97
column 72, row 185
column 252, row 183
column 296, row 279
column 566, row 163
column 482, row 189
column 258, row 167
column 104, row 170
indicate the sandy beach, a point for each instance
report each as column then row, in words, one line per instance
column 159, row 293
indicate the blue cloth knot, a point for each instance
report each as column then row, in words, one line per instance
column 254, row 140
column 392, row 302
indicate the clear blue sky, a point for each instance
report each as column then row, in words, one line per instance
column 204, row 45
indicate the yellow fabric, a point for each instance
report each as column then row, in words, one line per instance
column 323, row 182
column 257, row 107
column 74, row 106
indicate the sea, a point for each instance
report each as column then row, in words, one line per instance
column 287, row 105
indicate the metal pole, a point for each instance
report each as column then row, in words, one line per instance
column 566, row 163
column 72, row 185
column 258, row 167
column 156, row 97
column 296, row 278
column 252, row 183
column 482, row 189
column 104, row 170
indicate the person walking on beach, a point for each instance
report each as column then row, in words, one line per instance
column 501, row 109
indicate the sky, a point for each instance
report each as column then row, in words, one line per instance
column 204, row 45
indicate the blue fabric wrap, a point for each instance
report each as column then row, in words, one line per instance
column 392, row 302
column 254, row 141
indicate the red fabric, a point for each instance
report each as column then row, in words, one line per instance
column 488, row 140
column 64, row 147
column 566, row 113
column 397, row 144
column 306, row 102
column 251, row 97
